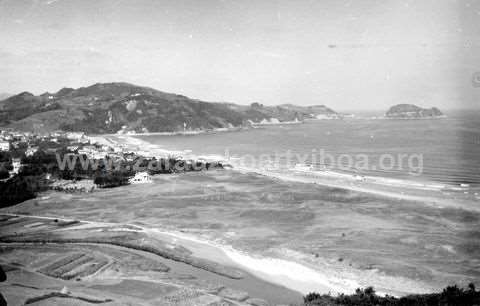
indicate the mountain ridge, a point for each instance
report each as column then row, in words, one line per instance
column 122, row 107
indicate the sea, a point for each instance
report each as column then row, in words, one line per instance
column 446, row 151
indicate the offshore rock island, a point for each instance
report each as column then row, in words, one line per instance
column 411, row 111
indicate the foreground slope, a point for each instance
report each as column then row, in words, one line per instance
column 52, row 261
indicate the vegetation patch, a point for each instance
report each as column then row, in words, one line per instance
column 61, row 295
column 450, row 296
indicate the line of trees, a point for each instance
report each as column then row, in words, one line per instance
column 450, row 296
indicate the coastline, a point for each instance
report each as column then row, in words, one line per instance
column 291, row 275
column 290, row 271
column 383, row 187
column 185, row 133
column 443, row 195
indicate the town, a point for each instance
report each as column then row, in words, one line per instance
column 74, row 162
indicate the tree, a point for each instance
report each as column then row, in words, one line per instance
column 4, row 173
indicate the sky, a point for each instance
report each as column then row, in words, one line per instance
column 367, row 54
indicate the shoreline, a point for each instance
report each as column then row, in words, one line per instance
column 373, row 186
column 284, row 270
column 299, row 277
column 184, row 133
column 272, row 270
column 295, row 274
column 277, row 271
column 444, row 195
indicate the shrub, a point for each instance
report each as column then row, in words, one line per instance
column 111, row 179
column 17, row 190
column 4, row 173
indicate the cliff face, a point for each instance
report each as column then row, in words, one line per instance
column 410, row 111
column 113, row 107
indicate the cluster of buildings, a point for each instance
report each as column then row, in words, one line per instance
column 11, row 139
column 19, row 143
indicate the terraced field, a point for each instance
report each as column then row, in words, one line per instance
column 70, row 262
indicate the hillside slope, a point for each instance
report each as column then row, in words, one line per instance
column 4, row 95
column 114, row 107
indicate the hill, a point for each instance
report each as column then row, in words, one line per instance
column 410, row 111
column 114, row 107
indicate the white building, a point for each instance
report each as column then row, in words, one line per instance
column 303, row 167
column 30, row 151
column 326, row 116
column 117, row 149
column 16, row 166
column 99, row 155
column 84, row 140
column 106, row 148
column 140, row 178
column 75, row 135
column 266, row 121
column 4, row 146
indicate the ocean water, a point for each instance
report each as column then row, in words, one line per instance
column 445, row 151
